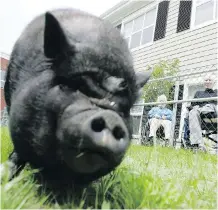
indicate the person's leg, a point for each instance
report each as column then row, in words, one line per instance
column 167, row 131
column 154, row 125
column 195, row 127
column 186, row 132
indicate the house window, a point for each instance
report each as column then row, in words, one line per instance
column 140, row 31
column 204, row 11
column 2, row 78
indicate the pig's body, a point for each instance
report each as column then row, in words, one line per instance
column 69, row 89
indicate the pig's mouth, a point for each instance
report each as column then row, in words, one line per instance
column 88, row 161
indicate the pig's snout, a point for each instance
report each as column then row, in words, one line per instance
column 106, row 131
column 93, row 141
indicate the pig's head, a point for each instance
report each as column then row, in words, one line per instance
column 95, row 88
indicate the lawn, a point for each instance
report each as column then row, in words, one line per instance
column 148, row 178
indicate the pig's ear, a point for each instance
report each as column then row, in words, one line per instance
column 54, row 38
column 142, row 78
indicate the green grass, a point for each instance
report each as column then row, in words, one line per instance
column 148, row 178
column 6, row 144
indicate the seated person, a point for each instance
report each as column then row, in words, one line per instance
column 204, row 107
column 160, row 115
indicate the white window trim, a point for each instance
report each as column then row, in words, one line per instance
column 136, row 15
column 136, row 114
column 140, row 126
column 3, row 79
column 193, row 13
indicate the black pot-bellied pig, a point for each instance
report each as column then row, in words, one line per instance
column 69, row 88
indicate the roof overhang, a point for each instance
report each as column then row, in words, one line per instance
column 124, row 8
column 4, row 55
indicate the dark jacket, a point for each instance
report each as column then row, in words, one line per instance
column 205, row 94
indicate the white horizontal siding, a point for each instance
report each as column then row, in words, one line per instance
column 194, row 48
column 189, row 63
column 198, row 64
column 179, row 50
column 181, row 37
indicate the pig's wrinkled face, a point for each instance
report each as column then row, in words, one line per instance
column 95, row 87
column 93, row 136
column 93, row 129
column 93, row 133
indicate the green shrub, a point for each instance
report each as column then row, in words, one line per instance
column 155, row 88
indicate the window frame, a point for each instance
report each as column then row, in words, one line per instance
column 3, row 79
column 135, row 16
column 193, row 15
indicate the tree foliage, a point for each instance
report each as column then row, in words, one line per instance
column 154, row 88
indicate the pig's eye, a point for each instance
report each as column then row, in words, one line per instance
column 62, row 86
column 98, row 84
column 123, row 85
column 66, row 83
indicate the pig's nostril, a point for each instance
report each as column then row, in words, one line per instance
column 118, row 132
column 98, row 124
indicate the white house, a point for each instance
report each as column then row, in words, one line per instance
column 164, row 30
